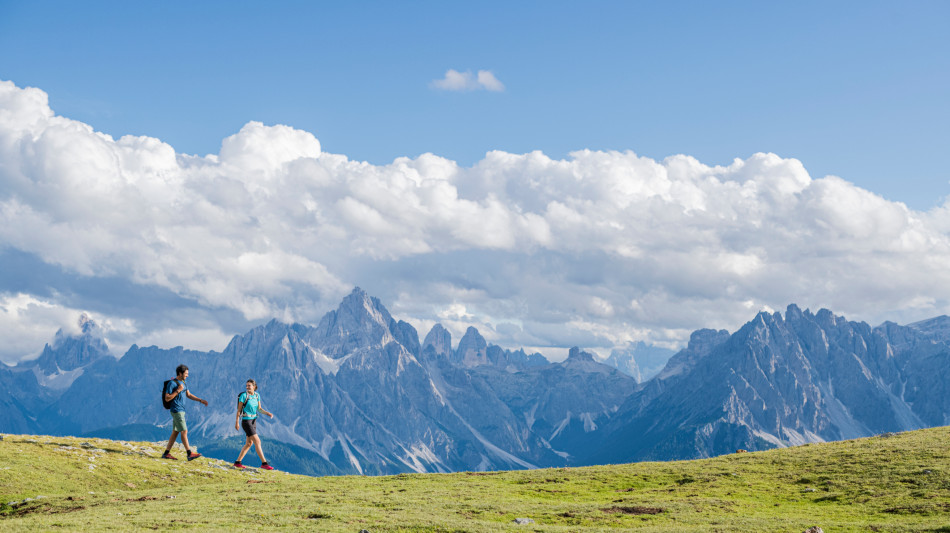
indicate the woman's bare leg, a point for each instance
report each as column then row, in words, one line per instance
column 247, row 446
column 257, row 446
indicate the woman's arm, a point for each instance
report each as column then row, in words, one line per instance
column 260, row 407
column 237, row 417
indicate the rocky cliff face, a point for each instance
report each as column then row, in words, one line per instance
column 30, row 387
column 361, row 392
column 782, row 381
column 60, row 364
column 439, row 340
column 639, row 360
column 24, row 398
column 363, row 395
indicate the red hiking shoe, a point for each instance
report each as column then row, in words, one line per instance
column 167, row 455
column 266, row 466
column 193, row 456
column 237, row 464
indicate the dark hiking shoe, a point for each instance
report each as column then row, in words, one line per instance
column 193, row 456
column 167, row 455
column 266, row 466
column 237, row 464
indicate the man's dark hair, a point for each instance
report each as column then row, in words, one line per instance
column 180, row 370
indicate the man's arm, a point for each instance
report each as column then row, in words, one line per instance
column 171, row 396
column 191, row 396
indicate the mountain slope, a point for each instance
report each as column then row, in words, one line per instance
column 782, row 381
column 358, row 391
column 360, row 394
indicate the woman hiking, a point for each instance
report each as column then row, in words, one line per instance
column 249, row 404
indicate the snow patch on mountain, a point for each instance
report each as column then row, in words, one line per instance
column 839, row 415
column 588, row 420
column 560, row 427
column 529, row 415
column 329, row 365
column 345, row 443
column 59, row 380
column 419, row 455
column 768, row 437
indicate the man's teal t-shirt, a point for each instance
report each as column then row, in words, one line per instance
column 178, row 403
column 251, row 405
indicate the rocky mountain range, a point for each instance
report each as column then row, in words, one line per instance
column 360, row 393
column 785, row 380
column 639, row 360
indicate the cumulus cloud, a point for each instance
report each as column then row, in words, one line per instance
column 29, row 323
column 466, row 81
column 598, row 249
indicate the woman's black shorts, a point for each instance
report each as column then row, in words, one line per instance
column 249, row 426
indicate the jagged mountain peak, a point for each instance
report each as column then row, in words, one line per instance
column 361, row 305
column 87, row 324
column 762, row 327
column 472, row 349
column 361, row 321
column 793, row 312
column 626, row 361
column 640, row 360
column 62, row 362
column 473, row 338
column 265, row 334
column 767, row 319
column 827, row 320
column 352, row 391
column 701, row 343
column 439, row 339
column 576, row 354
column 89, row 332
column 704, row 340
column 806, row 378
column 586, row 363
column 937, row 328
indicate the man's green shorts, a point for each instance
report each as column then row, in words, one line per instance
column 178, row 422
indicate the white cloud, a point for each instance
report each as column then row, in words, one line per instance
column 28, row 324
column 488, row 80
column 261, row 149
column 466, row 81
column 190, row 338
column 274, row 227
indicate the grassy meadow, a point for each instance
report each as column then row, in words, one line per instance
column 889, row 483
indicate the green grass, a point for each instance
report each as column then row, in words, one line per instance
column 895, row 483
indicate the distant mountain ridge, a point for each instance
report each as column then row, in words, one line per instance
column 60, row 364
column 359, row 392
column 782, row 381
column 639, row 360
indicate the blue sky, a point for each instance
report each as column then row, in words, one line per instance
column 624, row 171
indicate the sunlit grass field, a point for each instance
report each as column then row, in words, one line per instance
column 889, row 483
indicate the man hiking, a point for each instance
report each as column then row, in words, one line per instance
column 175, row 393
